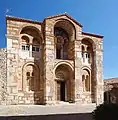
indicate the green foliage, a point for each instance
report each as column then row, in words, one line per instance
column 106, row 112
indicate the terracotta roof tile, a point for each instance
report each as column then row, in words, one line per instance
column 91, row 34
column 22, row 20
column 111, row 81
column 65, row 14
column 58, row 15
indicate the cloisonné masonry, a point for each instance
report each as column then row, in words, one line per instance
column 52, row 62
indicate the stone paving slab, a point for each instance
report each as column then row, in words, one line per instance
column 25, row 110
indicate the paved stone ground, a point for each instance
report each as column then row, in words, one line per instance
column 31, row 110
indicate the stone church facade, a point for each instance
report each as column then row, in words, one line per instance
column 51, row 62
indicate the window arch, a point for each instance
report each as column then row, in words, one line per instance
column 31, row 78
column 86, row 80
column 36, row 45
column 25, row 39
column 65, row 34
column 34, row 39
column 31, row 31
column 60, row 75
column 62, row 39
column 25, row 43
column 87, row 52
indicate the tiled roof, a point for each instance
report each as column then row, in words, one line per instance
column 58, row 15
column 65, row 14
column 91, row 34
column 111, row 81
column 22, row 20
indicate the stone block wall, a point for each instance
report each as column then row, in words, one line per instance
column 3, row 76
column 47, row 62
column 17, row 59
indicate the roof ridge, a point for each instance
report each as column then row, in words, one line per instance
column 58, row 15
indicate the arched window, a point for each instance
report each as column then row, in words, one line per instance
column 35, row 45
column 30, row 81
column 83, row 82
column 31, row 77
column 87, row 51
column 83, row 51
column 62, row 39
column 89, row 54
column 86, row 81
column 65, row 34
column 31, row 40
column 25, row 43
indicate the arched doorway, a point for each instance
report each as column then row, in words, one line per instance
column 61, row 90
column 64, row 85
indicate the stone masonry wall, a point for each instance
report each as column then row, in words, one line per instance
column 97, row 83
column 47, row 62
column 3, row 76
column 16, row 60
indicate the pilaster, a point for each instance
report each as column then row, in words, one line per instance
column 49, row 59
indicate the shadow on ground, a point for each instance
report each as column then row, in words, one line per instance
column 79, row 116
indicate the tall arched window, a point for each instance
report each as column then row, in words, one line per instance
column 62, row 39
column 83, row 51
column 83, row 82
column 87, row 51
column 86, row 80
column 31, row 78
column 87, row 83
column 89, row 54
column 35, row 45
column 30, row 81
column 65, row 34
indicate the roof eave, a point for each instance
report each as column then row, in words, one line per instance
column 22, row 20
column 91, row 34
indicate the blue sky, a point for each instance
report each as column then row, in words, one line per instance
column 96, row 16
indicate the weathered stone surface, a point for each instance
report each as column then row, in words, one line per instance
column 3, row 76
column 42, row 66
